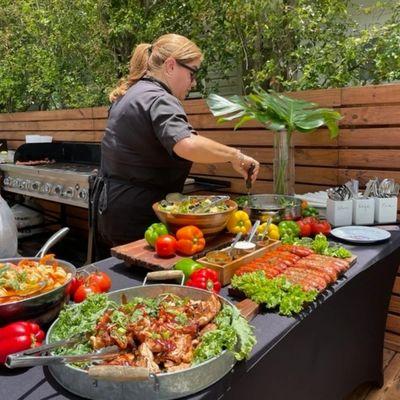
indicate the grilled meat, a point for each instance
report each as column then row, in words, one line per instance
column 157, row 334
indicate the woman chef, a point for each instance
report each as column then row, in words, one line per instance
column 149, row 146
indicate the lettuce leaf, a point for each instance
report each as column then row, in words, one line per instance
column 77, row 319
column 277, row 292
column 233, row 333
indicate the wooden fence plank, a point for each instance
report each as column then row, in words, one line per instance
column 323, row 176
column 78, row 113
column 377, row 115
column 323, row 97
column 244, row 137
column 208, row 121
column 70, row 125
column 225, row 169
column 384, row 158
column 370, row 137
column 382, row 94
column 317, row 157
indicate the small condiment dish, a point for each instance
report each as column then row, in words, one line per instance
column 242, row 248
column 220, row 257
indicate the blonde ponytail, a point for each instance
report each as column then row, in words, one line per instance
column 137, row 68
column 150, row 57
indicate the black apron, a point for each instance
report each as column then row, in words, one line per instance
column 138, row 165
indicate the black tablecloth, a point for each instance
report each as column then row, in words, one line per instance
column 323, row 353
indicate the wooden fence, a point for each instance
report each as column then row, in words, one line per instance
column 368, row 146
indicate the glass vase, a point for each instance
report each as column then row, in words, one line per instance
column 283, row 163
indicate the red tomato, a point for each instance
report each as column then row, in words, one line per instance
column 305, row 228
column 85, row 290
column 101, row 279
column 165, row 245
column 76, row 281
column 321, row 227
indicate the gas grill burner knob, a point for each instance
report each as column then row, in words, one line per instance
column 22, row 184
column 35, row 186
column 69, row 192
column 16, row 183
column 83, row 194
column 46, row 188
column 7, row 181
column 58, row 189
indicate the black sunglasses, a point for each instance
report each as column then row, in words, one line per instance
column 193, row 71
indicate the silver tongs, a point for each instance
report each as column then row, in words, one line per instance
column 30, row 357
column 205, row 207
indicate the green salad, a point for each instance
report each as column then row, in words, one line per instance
column 193, row 205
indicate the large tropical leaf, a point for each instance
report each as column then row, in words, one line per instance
column 275, row 111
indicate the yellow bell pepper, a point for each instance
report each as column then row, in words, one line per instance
column 239, row 222
column 273, row 231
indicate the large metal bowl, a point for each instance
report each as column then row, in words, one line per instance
column 264, row 206
column 172, row 385
column 209, row 223
column 44, row 307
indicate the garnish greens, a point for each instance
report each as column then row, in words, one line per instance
column 277, row 292
column 233, row 333
column 321, row 245
column 78, row 319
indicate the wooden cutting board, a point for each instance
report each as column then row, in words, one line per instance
column 139, row 253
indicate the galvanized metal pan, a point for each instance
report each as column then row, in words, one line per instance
column 107, row 382
column 263, row 207
column 43, row 307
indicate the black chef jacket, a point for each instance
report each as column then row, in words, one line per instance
column 138, row 165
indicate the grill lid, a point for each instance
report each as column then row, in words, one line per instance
column 79, row 153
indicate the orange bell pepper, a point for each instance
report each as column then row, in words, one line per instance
column 190, row 240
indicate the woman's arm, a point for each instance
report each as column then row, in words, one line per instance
column 206, row 151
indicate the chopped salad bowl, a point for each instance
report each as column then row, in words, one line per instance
column 210, row 223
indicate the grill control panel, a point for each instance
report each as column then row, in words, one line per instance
column 68, row 188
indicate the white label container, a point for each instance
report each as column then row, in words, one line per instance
column 385, row 209
column 363, row 211
column 339, row 213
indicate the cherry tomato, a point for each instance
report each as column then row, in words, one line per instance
column 101, row 279
column 165, row 245
column 76, row 281
column 85, row 290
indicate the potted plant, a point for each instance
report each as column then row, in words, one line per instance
column 282, row 115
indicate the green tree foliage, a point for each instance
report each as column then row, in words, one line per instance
column 66, row 54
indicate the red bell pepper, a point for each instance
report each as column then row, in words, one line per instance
column 322, row 227
column 190, row 240
column 205, row 278
column 305, row 227
column 19, row 336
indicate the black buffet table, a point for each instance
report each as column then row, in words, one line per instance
column 324, row 353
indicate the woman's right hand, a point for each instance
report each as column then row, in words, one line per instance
column 242, row 164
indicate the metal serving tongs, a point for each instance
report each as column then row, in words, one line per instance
column 202, row 208
column 29, row 358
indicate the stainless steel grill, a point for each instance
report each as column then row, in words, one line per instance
column 61, row 182
column 64, row 179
